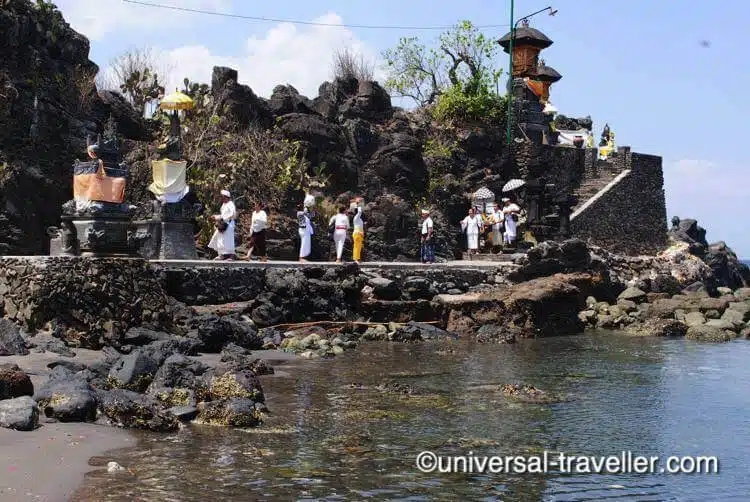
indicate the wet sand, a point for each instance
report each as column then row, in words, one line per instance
column 49, row 463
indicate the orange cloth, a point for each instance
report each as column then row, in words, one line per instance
column 99, row 187
column 536, row 87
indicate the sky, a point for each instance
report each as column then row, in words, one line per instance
column 639, row 66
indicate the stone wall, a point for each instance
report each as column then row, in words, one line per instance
column 93, row 299
column 631, row 217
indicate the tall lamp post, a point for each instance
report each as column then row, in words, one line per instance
column 510, row 53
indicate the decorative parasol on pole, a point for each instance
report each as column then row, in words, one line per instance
column 513, row 184
column 175, row 102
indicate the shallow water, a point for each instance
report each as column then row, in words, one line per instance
column 333, row 436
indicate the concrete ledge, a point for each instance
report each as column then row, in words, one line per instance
column 463, row 265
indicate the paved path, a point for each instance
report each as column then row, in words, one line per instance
column 474, row 265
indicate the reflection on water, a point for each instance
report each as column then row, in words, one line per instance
column 334, row 436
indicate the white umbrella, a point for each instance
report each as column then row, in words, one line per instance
column 513, row 184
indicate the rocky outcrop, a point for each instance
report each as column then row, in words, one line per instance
column 547, row 306
column 726, row 268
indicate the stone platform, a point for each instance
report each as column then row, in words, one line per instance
column 93, row 301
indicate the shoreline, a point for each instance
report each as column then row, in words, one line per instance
column 49, row 464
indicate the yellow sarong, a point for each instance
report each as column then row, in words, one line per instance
column 359, row 243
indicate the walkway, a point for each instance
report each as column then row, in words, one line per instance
column 460, row 264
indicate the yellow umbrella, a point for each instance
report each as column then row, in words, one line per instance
column 177, row 101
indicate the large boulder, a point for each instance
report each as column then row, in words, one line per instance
column 659, row 327
column 124, row 408
column 706, row 333
column 233, row 412
column 397, row 167
column 68, row 399
column 130, row 123
column 238, row 102
column 372, row 102
column 11, row 340
column 14, row 382
column 133, row 371
column 21, row 414
column 214, row 332
column 286, row 99
column 180, row 382
column 728, row 270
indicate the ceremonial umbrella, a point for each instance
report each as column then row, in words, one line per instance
column 513, row 184
column 177, row 101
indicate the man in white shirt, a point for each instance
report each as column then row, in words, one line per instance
column 223, row 239
column 258, row 233
column 427, row 238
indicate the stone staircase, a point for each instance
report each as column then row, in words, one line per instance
column 592, row 184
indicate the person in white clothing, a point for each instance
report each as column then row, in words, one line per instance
column 497, row 226
column 305, row 232
column 340, row 224
column 427, row 237
column 472, row 225
column 510, row 212
column 258, row 226
column 223, row 239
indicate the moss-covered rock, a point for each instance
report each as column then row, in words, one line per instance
column 233, row 412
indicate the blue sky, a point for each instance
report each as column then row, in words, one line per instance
column 637, row 65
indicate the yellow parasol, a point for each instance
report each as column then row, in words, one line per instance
column 177, row 101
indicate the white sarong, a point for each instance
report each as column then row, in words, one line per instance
column 223, row 242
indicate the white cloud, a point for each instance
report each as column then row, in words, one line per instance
column 96, row 18
column 287, row 54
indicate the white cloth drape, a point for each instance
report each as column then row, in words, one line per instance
column 223, row 242
column 472, row 226
column 510, row 224
column 305, row 234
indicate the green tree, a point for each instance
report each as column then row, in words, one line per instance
column 463, row 58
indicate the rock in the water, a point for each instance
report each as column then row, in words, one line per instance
column 659, row 327
column 69, row 399
column 179, row 382
column 242, row 384
column 124, row 408
column 184, row 413
column 20, row 413
column 14, row 382
column 529, row 394
column 234, row 412
column 416, row 331
column 707, row 333
column 11, row 341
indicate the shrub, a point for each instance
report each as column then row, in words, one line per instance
column 482, row 105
